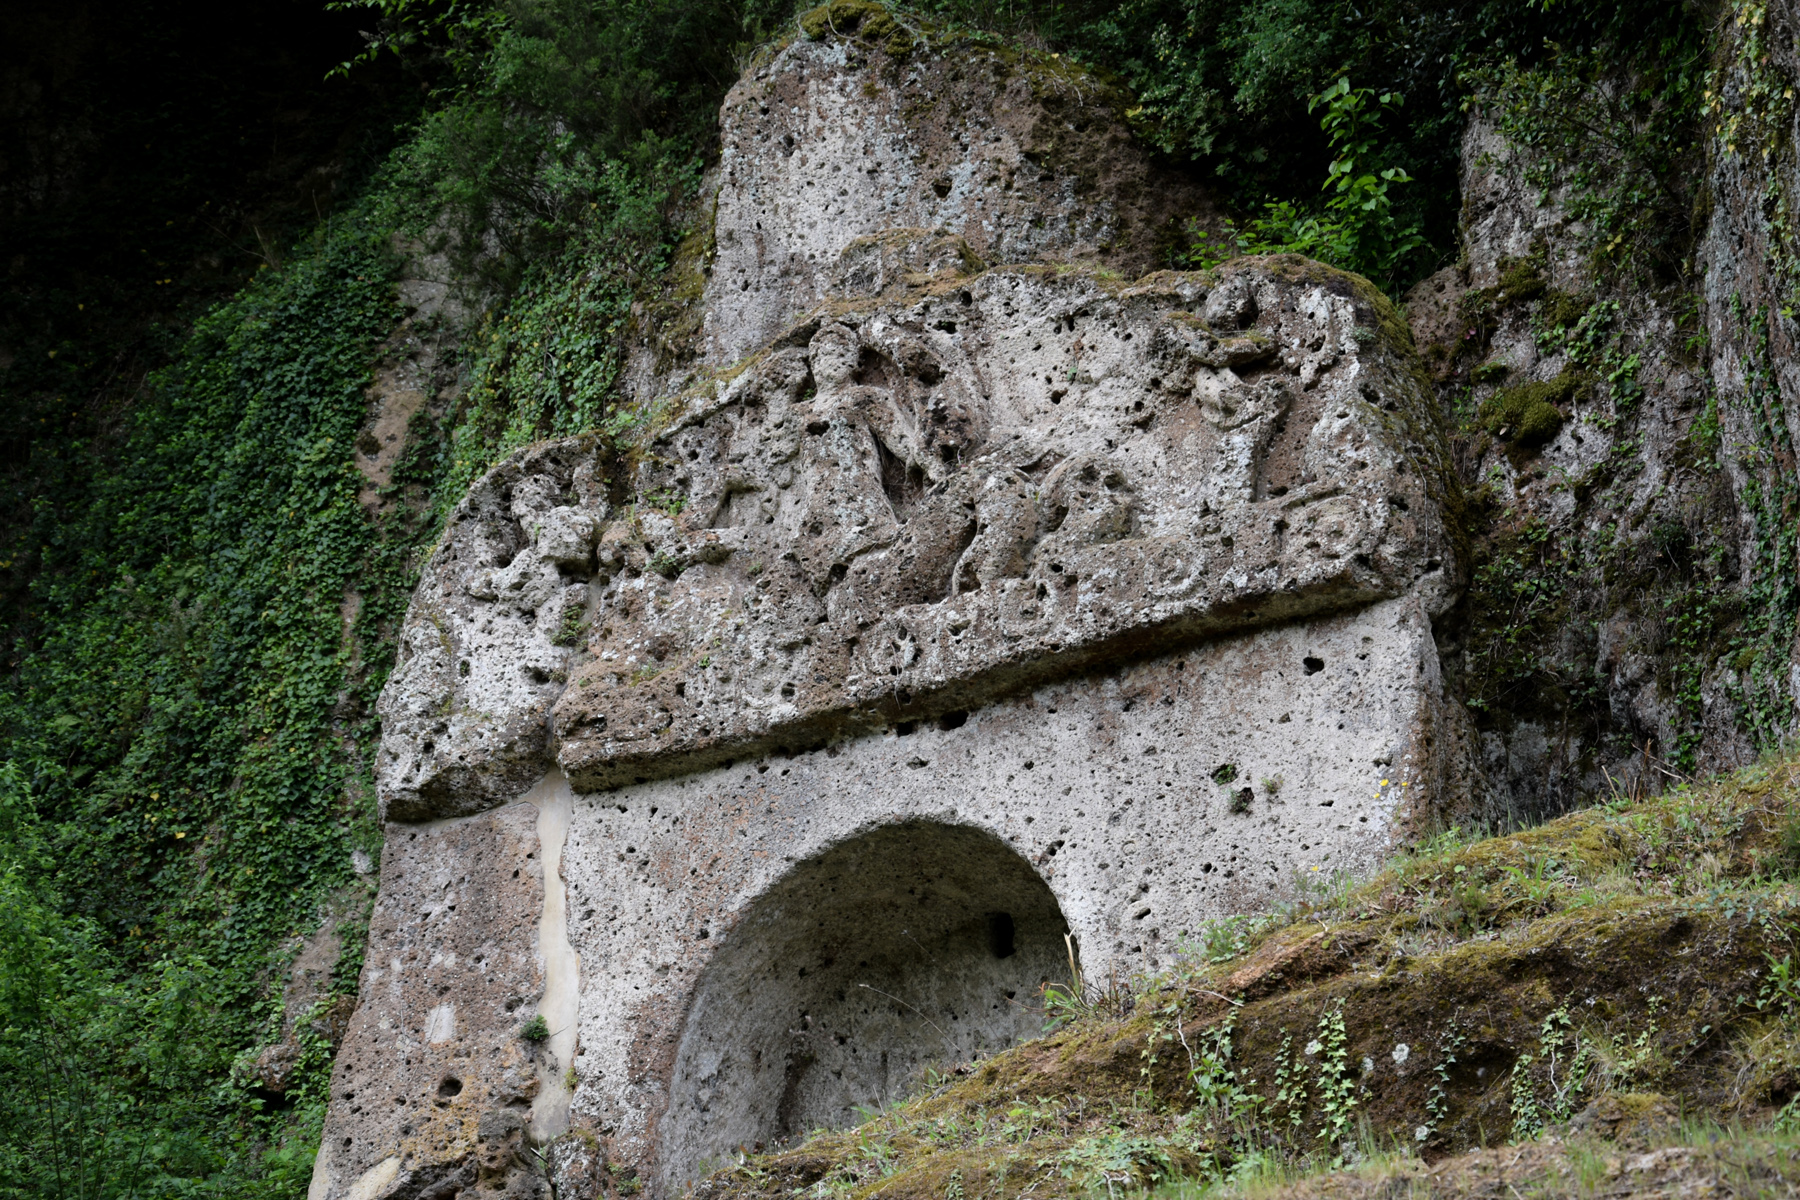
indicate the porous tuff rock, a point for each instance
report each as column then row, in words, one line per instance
column 1024, row 155
column 970, row 498
column 918, row 503
column 915, row 503
column 1620, row 466
column 484, row 649
column 433, row 1086
column 975, row 605
column 856, row 883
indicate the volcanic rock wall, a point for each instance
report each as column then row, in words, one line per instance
column 1627, row 448
column 1564, row 645
column 975, row 622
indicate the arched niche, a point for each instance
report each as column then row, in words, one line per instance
column 906, row 946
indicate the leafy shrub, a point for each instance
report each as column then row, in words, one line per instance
column 104, row 1070
column 1787, row 846
column 556, row 173
column 548, row 364
column 1357, row 228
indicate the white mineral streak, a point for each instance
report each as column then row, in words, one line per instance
column 562, row 966
column 440, row 1026
column 375, row 1181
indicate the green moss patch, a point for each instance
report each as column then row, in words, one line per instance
column 864, row 20
column 1531, row 414
column 1519, row 282
column 1561, row 310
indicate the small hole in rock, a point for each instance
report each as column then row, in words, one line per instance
column 1000, row 934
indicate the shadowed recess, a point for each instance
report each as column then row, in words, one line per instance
column 910, row 946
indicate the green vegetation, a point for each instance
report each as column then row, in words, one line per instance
column 557, row 171
column 865, row 18
column 1232, row 85
column 548, row 101
column 547, row 364
column 185, row 745
column 1518, row 598
column 1657, row 1155
column 1610, row 966
column 1357, row 227
column 1620, row 148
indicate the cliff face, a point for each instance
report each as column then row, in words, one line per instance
column 1752, row 347
column 1629, row 457
column 970, row 601
column 1596, row 520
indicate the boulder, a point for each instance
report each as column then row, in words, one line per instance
column 971, row 629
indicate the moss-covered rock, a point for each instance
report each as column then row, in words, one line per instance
column 864, row 20
column 1520, row 281
column 1531, row 414
column 1561, row 310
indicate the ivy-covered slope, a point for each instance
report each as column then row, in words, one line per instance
column 217, row 508
column 186, row 743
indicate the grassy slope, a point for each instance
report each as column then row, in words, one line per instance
column 1628, row 962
